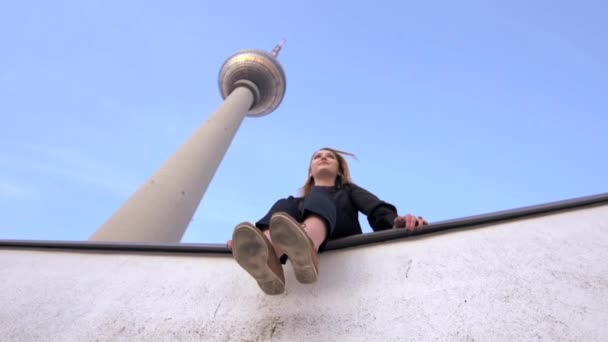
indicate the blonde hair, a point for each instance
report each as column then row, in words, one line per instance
column 343, row 170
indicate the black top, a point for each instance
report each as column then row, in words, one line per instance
column 351, row 199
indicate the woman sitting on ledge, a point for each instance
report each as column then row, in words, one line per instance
column 299, row 227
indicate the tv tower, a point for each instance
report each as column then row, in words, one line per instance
column 252, row 83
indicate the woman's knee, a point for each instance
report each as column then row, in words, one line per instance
column 287, row 205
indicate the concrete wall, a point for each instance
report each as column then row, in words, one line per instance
column 543, row 278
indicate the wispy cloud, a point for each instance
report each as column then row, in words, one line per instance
column 77, row 167
column 14, row 191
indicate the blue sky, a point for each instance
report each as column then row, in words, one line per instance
column 452, row 108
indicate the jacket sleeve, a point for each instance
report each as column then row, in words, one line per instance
column 380, row 214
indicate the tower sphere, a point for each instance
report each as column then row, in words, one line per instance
column 260, row 68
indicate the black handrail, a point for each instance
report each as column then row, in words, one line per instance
column 350, row 241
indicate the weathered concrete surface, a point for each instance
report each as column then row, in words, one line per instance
column 543, row 278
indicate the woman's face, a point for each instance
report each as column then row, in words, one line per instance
column 324, row 163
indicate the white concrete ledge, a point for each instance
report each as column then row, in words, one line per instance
column 543, row 277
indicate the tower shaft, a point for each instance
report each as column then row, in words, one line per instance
column 161, row 209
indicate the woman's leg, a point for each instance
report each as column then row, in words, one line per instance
column 316, row 229
column 301, row 242
column 288, row 205
column 319, row 215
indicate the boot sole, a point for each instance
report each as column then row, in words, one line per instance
column 294, row 242
column 251, row 253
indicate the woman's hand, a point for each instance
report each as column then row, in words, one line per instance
column 409, row 222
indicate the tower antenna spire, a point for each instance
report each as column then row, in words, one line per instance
column 275, row 51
